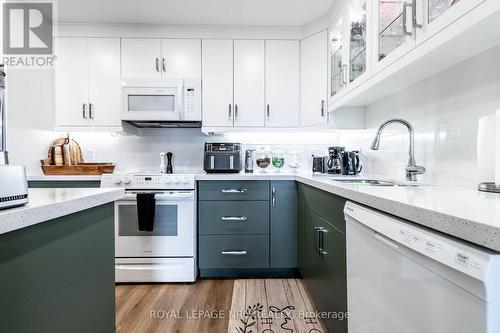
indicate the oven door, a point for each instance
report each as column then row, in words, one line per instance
column 174, row 227
column 153, row 103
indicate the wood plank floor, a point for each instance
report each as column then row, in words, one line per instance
column 216, row 306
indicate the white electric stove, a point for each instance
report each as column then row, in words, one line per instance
column 168, row 253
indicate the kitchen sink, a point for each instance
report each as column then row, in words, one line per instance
column 377, row 182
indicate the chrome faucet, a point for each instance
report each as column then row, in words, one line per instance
column 412, row 169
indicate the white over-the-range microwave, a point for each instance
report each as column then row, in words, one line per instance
column 162, row 102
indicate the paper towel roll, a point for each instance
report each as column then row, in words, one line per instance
column 497, row 149
column 486, row 137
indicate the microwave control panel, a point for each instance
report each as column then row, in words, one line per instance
column 192, row 101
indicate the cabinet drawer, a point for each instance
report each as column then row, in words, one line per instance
column 234, row 251
column 233, row 190
column 234, row 217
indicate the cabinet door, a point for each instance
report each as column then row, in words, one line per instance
column 181, row 58
column 433, row 16
column 314, row 81
column 392, row 37
column 249, row 83
column 334, row 276
column 283, row 224
column 71, row 81
column 359, row 41
column 310, row 263
column 217, row 73
column 104, row 82
column 141, row 58
column 282, row 83
column 337, row 44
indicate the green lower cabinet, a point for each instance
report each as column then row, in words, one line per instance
column 322, row 253
column 283, row 224
column 247, row 228
column 59, row 275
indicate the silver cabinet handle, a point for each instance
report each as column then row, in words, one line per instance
column 405, row 23
column 84, row 111
column 234, row 218
column 230, row 113
column 235, row 111
column 414, row 15
column 344, row 75
column 316, row 238
column 164, row 64
column 321, row 241
column 157, row 64
column 91, row 111
column 268, row 112
column 273, row 196
column 234, row 253
column 322, row 108
column 233, row 190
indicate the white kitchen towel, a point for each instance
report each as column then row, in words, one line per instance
column 497, row 150
column 486, row 137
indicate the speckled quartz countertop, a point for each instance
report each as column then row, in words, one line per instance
column 462, row 212
column 49, row 203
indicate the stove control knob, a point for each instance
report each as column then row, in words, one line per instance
column 168, row 180
column 117, row 180
column 177, row 180
column 126, row 180
column 185, row 180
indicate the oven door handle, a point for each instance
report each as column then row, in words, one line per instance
column 162, row 196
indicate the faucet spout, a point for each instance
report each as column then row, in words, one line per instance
column 412, row 169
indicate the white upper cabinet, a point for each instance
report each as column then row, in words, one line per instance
column 71, row 82
column 432, row 16
column 181, row 58
column 104, row 82
column 314, row 79
column 393, row 31
column 339, row 56
column 217, row 74
column 282, row 83
column 141, row 58
column 87, row 83
column 249, row 83
column 161, row 58
column 358, row 40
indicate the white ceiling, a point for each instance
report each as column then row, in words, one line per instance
column 196, row 12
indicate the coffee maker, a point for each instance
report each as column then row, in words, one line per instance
column 351, row 163
column 334, row 163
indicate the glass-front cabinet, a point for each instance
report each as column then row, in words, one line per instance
column 338, row 59
column 400, row 25
column 393, row 32
column 432, row 16
column 358, row 38
column 349, row 45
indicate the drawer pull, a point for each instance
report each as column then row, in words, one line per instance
column 234, row 218
column 233, row 190
column 234, row 253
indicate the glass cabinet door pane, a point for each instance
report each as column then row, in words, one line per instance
column 166, row 221
column 358, row 37
column 391, row 32
column 336, row 62
column 438, row 7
